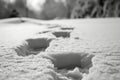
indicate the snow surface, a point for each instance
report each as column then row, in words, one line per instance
column 83, row 49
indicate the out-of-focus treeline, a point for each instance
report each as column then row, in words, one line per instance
column 96, row 9
column 59, row 9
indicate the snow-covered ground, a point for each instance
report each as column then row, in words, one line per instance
column 78, row 49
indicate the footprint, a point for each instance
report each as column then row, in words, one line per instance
column 70, row 60
column 67, row 28
column 63, row 34
column 33, row 46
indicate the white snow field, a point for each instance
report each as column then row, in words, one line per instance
column 76, row 49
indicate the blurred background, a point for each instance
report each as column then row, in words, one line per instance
column 59, row 9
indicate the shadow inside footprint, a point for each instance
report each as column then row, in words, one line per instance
column 70, row 60
column 67, row 28
column 39, row 43
column 62, row 34
column 33, row 46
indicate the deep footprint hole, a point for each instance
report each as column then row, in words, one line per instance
column 39, row 44
column 71, row 60
column 75, row 63
column 67, row 28
column 33, row 46
column 62, row 34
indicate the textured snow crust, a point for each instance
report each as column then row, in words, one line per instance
column 30, row 51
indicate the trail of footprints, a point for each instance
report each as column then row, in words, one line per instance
column 76, row 61
column 36, row 45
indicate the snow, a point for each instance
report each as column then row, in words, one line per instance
column 30, row 51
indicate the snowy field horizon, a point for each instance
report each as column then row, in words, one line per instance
column 66, row 49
